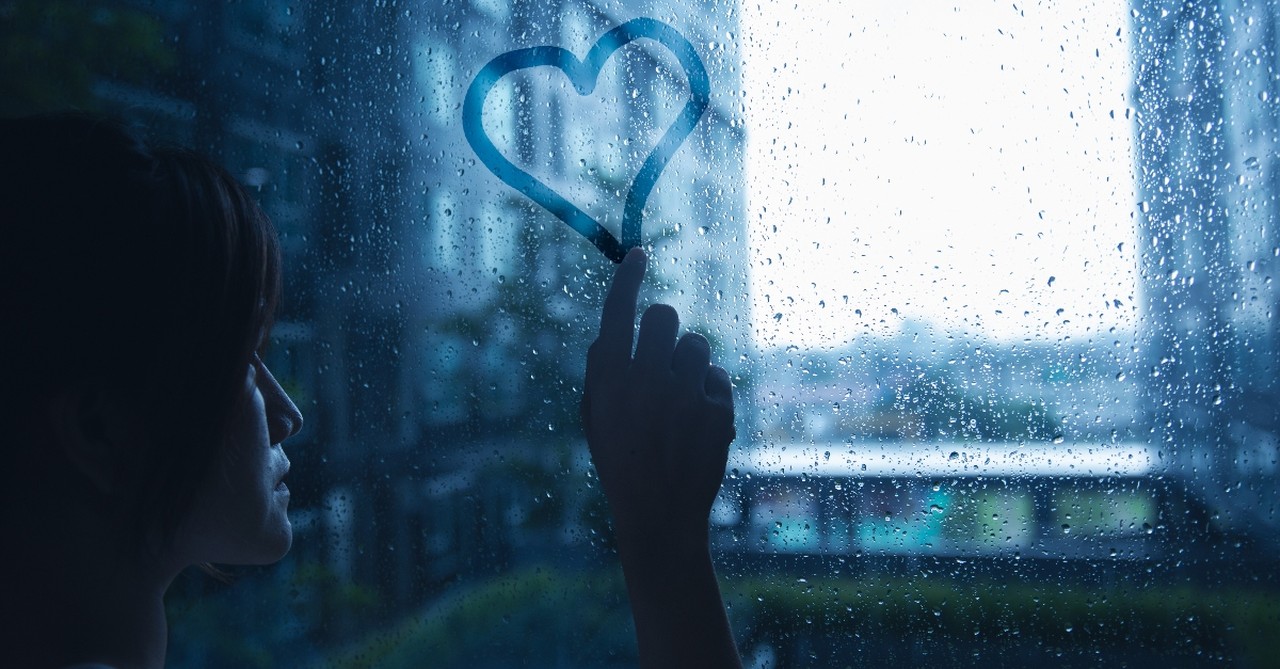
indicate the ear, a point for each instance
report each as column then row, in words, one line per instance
column 85, row 425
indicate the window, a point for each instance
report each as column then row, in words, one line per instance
column 995, row 283
column 437, row 76
column 448, row 232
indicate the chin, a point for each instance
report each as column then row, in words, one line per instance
column 286, row 540
column 266, row 546
column 268, row 550
column 244, row 532
column 276, row 537
column 277, row 554
column 278, row 545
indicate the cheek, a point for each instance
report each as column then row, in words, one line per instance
column 239, row 517
column 247, row 460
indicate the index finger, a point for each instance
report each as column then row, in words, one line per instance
column 618, row 319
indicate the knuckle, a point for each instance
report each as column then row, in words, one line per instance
column 661, row 309
column 660, row 313
column 695, row 339
column 719, row 410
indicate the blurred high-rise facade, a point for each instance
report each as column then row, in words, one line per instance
column 1207, row 126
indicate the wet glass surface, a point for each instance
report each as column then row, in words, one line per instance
column 995, row 285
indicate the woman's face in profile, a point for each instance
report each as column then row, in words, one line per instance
column 240, row 516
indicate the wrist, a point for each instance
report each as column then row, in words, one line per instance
column 652, row 534
column 664, row 553
column 675, row 599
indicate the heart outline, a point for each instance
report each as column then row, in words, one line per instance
column 584, row 74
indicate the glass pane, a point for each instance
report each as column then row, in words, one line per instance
column 994, row 283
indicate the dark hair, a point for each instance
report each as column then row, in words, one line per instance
column 149, row 269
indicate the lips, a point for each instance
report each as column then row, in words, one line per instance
column 280, row 486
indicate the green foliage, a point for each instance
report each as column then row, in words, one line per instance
column 536, row 617
column 549, row 617
column 216, row 625
column 52, row 51
column 1177, row 621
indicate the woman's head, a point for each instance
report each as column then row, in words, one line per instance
column 145, row 278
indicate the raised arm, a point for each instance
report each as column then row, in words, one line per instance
column 658, row 424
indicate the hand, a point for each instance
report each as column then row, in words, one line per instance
column 658, row 424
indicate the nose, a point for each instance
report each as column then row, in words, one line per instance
column 283, row 417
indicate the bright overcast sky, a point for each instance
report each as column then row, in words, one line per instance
column 968, row 166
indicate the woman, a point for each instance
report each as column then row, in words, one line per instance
column 145, row 434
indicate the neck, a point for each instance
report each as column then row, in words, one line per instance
column 77, row 593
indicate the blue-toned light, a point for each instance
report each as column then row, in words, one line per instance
column 584, row 73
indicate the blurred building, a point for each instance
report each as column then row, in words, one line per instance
column 290, row 101
column 435, row 321
column 498, row 262
column 506, row 297
column 1208, row 178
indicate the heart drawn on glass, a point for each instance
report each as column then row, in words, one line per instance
column 583, row 74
